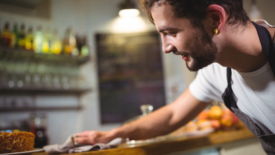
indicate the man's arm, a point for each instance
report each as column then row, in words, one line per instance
column 160, row 122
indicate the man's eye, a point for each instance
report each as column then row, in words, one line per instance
column 170, row 33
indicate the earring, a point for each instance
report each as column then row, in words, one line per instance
column 216, row 31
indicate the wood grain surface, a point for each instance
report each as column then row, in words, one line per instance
column 176, row 145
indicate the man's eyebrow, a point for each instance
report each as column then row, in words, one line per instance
column 168, row 28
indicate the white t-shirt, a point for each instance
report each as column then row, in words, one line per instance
column 255, row 91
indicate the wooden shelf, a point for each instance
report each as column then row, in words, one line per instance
column 7, row 90
column 18, row 55
column 25, row 58
column 27, row 109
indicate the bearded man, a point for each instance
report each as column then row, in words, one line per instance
column 235, row 60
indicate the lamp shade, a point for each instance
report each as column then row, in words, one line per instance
column 127, row 8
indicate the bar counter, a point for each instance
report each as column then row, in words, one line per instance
column 176, row 145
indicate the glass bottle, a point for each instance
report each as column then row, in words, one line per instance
column 15, row 36
column 6, row 36
column 29, row 41
column 47, row 41
column 21, row 37
column 69, row 42
column 56, row 47
column 38, row 40
column 85, row 48
column 38, row 125
column 79, row 43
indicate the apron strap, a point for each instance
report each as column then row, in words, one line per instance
column 268, row 47
column 228, row 96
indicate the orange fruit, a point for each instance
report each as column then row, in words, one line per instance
column 202, row 115
column 215, row 112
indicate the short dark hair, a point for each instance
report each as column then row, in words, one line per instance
column 195, row 10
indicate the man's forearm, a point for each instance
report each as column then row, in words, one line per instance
column 164, row 120
column 150, row 126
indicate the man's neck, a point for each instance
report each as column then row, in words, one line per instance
column 241, row 49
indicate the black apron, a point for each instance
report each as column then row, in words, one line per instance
column 266, row 137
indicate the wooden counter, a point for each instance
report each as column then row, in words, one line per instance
column 176, row 145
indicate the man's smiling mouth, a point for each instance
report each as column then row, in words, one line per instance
column 185, row 57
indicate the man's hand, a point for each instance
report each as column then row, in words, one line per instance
column 92, row 137
column 160, row 122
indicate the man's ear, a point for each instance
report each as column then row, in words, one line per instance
column 218, row 15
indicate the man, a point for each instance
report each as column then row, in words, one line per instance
column 235, row 61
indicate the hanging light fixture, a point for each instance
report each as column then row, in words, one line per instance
column 128, row 9
column 255, row 13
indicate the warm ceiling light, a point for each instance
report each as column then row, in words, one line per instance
column 128, row 9
column 129, row 13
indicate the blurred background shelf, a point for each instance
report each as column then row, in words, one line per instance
column 17, row 55
column 33, row 109
column 6, row 90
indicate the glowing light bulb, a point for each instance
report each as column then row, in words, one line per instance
column 129, row 13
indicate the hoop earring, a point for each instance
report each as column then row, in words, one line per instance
column 216, row 31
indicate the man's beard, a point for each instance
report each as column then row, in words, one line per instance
column 203, row 51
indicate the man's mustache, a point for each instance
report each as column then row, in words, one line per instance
column 181, row 53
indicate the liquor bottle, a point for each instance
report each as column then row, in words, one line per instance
column 69, row 42
column 56, row 47
column 47, row 41
column 29, row 40
column 79, row 43
column 6, row 36
column 15, row 36
column 21, row 37
column 85, row 48
column 38, row 40
column 38, row 125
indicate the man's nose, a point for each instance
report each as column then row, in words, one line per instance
column 168, row 48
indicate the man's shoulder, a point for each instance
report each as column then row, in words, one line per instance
column 210, row 82
column 214, row 68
